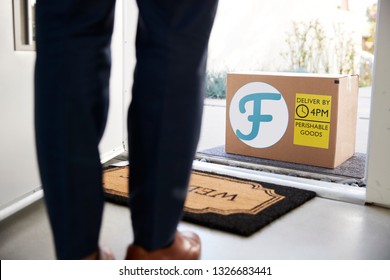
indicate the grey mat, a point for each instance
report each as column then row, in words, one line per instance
column 353, row 168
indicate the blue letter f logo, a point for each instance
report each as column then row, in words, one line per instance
column 256, row 118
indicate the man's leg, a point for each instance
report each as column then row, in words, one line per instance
column 165, row 113
column 71, row 103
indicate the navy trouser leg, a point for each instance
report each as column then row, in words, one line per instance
column 165, row 113
column 71, row 102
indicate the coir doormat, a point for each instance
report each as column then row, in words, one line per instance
column 224, row 203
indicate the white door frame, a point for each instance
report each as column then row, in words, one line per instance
column 378, row 163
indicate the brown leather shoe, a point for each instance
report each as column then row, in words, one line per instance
column 103, row 253
column 186, row 246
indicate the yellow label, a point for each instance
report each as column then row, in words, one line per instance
column 312, row 120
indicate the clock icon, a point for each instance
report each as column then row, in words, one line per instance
column 302, row 111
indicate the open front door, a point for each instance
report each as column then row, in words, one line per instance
column 20, row 184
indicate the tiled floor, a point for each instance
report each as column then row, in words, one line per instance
column 319, row 229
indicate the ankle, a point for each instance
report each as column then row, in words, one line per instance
column 102, row 253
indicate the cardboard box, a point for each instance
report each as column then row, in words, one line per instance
column 301, row 118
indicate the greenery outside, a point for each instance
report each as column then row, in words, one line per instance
column 313, row 49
